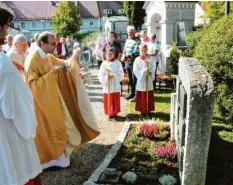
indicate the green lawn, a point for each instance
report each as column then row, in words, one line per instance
column 162, row 107
column 220, row 160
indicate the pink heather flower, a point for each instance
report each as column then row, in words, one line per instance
column 148, row 130
column 167, row 151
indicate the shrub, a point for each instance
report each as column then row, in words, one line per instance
column 226, row 135
column 167, row 180
column 193, row 39
column 164, row 131
column 148, row 130
column 163, row 134
column 173, row 60
column 130, row 177
column 215, row 51
column 167, row 151
column 134, row 140
column 86, row 38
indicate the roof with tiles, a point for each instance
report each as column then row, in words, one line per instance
column 33, row 10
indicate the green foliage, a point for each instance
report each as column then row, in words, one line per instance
column 214, row 51
column 67, row 19
column 163, row 131
column 226, row 135
column 81, row 35
column 167, row 180
column 163, row 134
column 135, row 13
column 134, row 140
column 173, row 60
column 215, row 9
column 90, row 37
column 193, row 39
column 143, row 147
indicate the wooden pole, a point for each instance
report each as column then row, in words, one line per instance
column 109, row 81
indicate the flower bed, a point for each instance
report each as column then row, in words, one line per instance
column 148, row 152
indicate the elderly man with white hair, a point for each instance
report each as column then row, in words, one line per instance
column 34, row 44
column 131, row 51
column 7, row 47
column 17, row 53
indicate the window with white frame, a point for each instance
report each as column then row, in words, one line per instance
column 121, row 11
column 43, row 24
column 105, row 11
column 109, row 11
column 23, row 25
column 91, row 22
column 12, row 24
column 33, row 24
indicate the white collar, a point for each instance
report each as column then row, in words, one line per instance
column 41, row 52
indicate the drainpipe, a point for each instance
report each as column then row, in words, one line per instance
column 227, row 8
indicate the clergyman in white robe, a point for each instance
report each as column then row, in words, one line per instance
column 18, row 60
column 19, row 161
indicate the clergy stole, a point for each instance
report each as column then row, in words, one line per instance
column 62, row 124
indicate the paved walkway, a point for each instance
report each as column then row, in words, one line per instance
column 84, row 162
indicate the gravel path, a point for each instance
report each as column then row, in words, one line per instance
column 84, row 162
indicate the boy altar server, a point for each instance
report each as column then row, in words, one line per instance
column 110, row 76
column 144, row 70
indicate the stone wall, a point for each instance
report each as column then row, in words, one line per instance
column 191, row 120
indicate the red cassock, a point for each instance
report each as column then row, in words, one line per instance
column 141, row 102
column 36, row 181
column 115, row 106
column 59, row 50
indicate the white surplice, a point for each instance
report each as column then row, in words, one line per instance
column 139, row 69
column 6, row 48
column 118, row 73
column 33, row 47
column 19, row 161
column 18, row 58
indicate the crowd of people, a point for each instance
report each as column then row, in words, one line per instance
column 45, row 112
column 139, row 58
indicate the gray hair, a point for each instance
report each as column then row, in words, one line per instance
column 36, row 35
column 9, row 36
column 131, row 29
column 143, row 32
column 19, row 38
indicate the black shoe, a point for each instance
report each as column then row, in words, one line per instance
column 133, row 99
column 129, row 97
column 113, row 118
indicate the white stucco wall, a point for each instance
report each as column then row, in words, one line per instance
column 162, row 18
column 199, row 12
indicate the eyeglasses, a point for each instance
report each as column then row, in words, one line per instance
column 6, row 27
column 52, row 43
